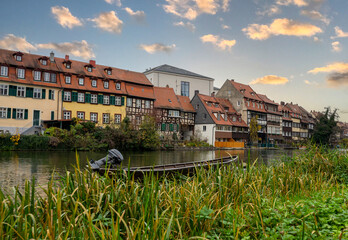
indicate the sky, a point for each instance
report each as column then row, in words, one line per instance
column 291, row 50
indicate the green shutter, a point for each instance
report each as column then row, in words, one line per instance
column 26, row 114
column 43, row 93
column 122, row 101
column 74, row 96
column 163, row 127
column 13, row 90
column 112, row 100
column 29, row 92
column 177, row 128
column 88, row 98
column 8, row 112
column 100, row 99
column 52, row 115
column 50, row 94
column 171, row 127
column 14, row 111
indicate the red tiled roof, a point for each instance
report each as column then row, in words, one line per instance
column 140, row 91
column 185, row 103
column 266, row 99
column 166, row 98
column 214, row 108
column 226, row 104
column 246, row 90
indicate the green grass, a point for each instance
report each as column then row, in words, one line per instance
column 305, row 198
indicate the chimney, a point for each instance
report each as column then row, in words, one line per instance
column 66, row 57
column 232, row 80
column 167, row 86
column 213, row 94
column 92, row 62
column 52, row 56
column 282, row 103
column 196, row 92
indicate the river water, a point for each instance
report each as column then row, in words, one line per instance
column 17, row 167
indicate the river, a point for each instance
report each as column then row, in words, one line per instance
column 17, row 167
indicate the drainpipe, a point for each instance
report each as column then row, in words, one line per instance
column 213, row 133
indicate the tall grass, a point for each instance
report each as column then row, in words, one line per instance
column 304, row 198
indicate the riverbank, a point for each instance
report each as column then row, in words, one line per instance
column 302, row 198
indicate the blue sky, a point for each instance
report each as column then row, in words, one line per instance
column 290, row 50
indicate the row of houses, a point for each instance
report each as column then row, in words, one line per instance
column 39, row 91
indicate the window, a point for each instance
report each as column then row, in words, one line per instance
column 37, row 75
column 106, row 99
column 174, row 113
column 185, row 89
column 238, row 103
column 253, row 104
column 68, row 65
column 19, row 58
column 81, row 97
column 67, row 115
column 138, row 103
column 89, row 69
column 94, row 83
column 138, row 120
column 53, row 77
column 94, row 98
column 234, row 119
column 51, row 92
column 129, row 102
column 20, row 113
column 106, row 84
column 81, row 81
column 3, row 112
column 4, row 71
column 147, row 104
column 3, row 89
column 204, row 128
column 94, row 117
column 81, row 115
column 37, row 93
column 47, row 76
column 20, row 91
column 118, row 101
column 21, row 73
column 117, row 118
column 108, row 71
column 106, row 118
column 118, row 86
column 68, row 79
column 67, row 96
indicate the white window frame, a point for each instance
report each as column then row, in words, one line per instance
column 47, row 77
column 106, row 84
column 18, row 58
column 44, row 62
column 4, row 89
column 20, row 113
column 81, row 81
column 37, row 75
column 238, row 103
column 20, row 91
column 53, row 77
column 67, row 96
column 37, row 93
column 52, row 94
column 129, row 102
column 118, row 118
column 21, row 73
column 4, row 71
column 67, row 115
column 94, row 98
column 80, row 97
column 147, row 104
column 68, row 79
column 118, row 101
column 138, row 103
column 94, row 83
column 108, row 72
column 89, row 69
column 3, row 112
column 174, row 113
column 106, row 118
column 81, row 115
column 118, row 86
column 94, row 117
column 106, row 99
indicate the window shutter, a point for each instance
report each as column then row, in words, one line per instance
column 100, row 99
column 177, row 127
column 26, row 114
column 52, row 115
column 14, row 111
column 163, row 127
column 50, row 94
column 29, row 92
column 122, row 101
column 8, row 112
column 112, row 100
column 171, row 127
column 43, row 93
column 62, row 94
column 74, row 96
column 88, row 98
column 13, row 90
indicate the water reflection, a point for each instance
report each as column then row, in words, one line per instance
column 16, row 167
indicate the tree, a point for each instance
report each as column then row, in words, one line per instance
column 253, row 130
column 326, row 127
column 149, row 136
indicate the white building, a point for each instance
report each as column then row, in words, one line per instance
column 182, row 81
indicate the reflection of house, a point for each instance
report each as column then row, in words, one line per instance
column 173, row 113
column 246, row 102
column 213, row 122
column 182, row 81
column 29, row 91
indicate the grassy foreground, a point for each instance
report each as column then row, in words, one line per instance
column 306, row 198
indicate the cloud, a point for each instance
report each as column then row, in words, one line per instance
column 117, row 2
column 299, row 3
column 338, row 79
column 225, row 5
column 187, row 25
column 207, row 6
column 65, row 18
column 271, row 80
column 108, row 21
column 315, row 15
column 339, row 33
column 311, row 83
column 139, row 16
column 223, row 26
column 272, row 10
column 79, row 49
column 339, row 67
column 12, row 42
column 157, row 47
column 281, row 26
column 221, row 43
column 336, row 46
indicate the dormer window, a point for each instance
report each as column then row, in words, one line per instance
column 94, row 83
column 106, row 84
column 118, row 86
column 89, row 69
column 44, row 62
column 18, row 58
column 68, row 65
column 81, row 81
column 108, row 71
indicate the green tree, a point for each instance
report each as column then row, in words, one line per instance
column 326, row 127
column 149, row 136
column 253, row 130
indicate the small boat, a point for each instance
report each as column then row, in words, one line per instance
column 184, row 168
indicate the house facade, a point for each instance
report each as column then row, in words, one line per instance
column 182, row 81
column 286, row 122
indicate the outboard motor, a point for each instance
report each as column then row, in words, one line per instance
column 114, row 157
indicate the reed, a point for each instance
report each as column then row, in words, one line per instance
column 303, row 198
